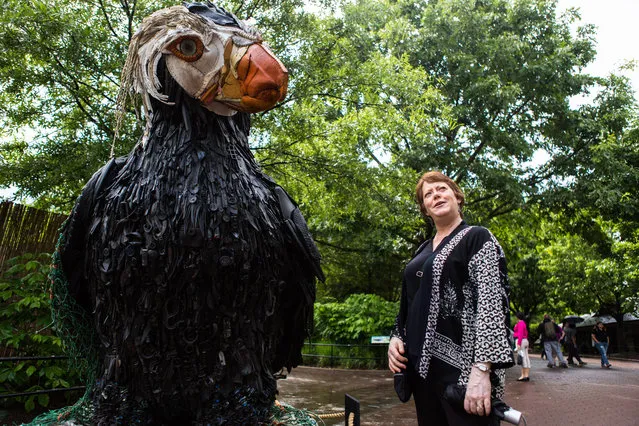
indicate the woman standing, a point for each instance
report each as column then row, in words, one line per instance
column 600, row 337
column 452, row 327
column 521, row 334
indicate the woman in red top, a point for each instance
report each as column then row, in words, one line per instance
column 521, row 334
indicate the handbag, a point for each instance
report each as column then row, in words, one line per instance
column 520, row 359
column 402, row 386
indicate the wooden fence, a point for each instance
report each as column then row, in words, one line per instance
column 27, row 230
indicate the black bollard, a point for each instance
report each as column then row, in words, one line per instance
column 351, row 411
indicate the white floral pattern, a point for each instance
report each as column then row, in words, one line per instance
column 449, row 302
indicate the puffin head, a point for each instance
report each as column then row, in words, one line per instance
column 215, row 58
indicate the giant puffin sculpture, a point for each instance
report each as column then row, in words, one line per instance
column 193, row 272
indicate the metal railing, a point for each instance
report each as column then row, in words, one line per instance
column 42, row 391
column 339, row 352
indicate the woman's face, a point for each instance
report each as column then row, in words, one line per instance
column 600, row 325
column 440, row 200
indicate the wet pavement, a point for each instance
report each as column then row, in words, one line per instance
column 586, row 395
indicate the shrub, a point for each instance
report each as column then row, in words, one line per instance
column 356, row 319
column 25, row 318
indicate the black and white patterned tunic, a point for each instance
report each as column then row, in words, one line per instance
column 454, row 308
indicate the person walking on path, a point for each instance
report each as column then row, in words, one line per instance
column 600, row 337
column 549, row 330
column 452, row 326
column 541, row 347
column 570, row 336
column 521, row 334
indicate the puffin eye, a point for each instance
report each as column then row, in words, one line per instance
column 187, row 48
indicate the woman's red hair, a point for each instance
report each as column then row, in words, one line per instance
column 432, row 177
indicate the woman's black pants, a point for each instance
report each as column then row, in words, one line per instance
column 572, row 352
column 433, row 410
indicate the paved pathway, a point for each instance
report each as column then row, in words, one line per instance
column 575, row 396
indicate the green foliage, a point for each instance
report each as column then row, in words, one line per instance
column 58, row 94
column 335, row 355
column 343, row 331
column 487, row 59
column 591, row 258
column 569, row 264
column 585, row 281
column 328, row 144
column 522, row 234
column 356, row 319
column 25, row 318
column 388, row 90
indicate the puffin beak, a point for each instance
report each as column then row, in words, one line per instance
column 259, row 82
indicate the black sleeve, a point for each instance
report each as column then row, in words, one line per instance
column 399, row 329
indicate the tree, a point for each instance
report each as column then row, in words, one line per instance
column 391, row 89
column 601, row 164
column 585, row 281
column 507, row 69
column 523, row 234
column 326, row 145
column 59, row 78
column 599, row 173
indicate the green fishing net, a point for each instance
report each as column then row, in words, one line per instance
column 73, row 327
